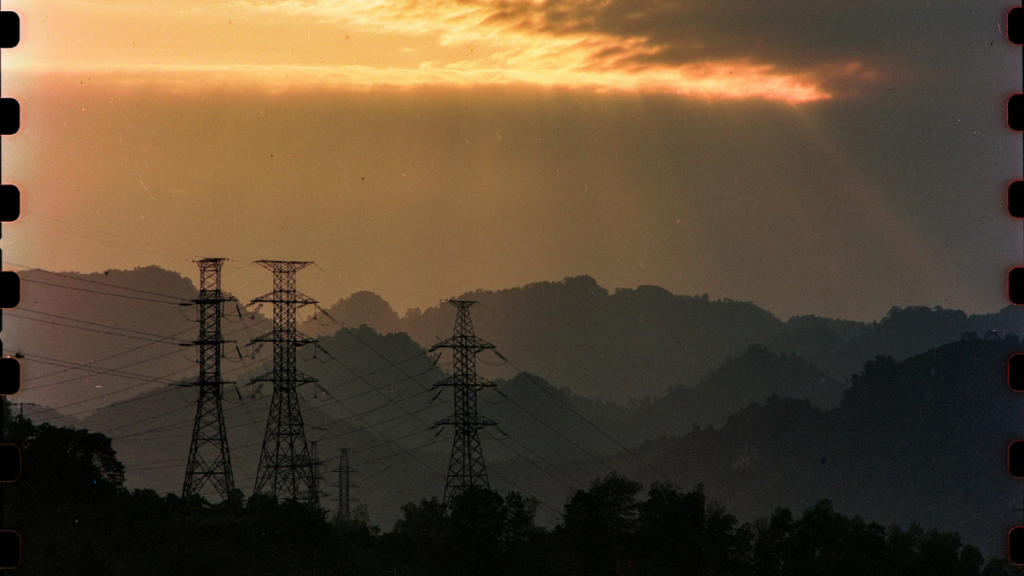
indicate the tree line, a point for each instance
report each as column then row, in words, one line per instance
column 77, row 518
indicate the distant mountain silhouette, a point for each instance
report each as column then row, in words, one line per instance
column 39, row 413
column 377, row 400
column 69, row 319
column 367, row 404
column 841, row 347
column 923, row 439
column 751, row 377
column 765, row 412
column 621, row 345
column 635, row 343
column 360, row 308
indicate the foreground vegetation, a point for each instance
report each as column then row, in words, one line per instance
column 76, row 517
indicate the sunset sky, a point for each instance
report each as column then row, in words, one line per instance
column 834, row 158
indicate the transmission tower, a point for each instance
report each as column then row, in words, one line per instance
column 345, row 486
column 285, row 468
column 317, row 464
column 208, row 458
column 466, row 467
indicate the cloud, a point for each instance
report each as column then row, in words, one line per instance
column 663, row 46
column 788, row 51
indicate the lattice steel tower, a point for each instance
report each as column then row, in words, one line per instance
column 285, row 469
column 209, row 460
column 345, row 486
column 466, row 467
column 317, row 464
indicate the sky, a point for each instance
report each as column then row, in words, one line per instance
column 830, row 158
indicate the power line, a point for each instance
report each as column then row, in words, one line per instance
column 109, row 234
column 175, row 425
column 408, row 452
column 592, row 425
column 25, row 344
column 122, row 353
column 36, row 225
column 336, row 401
column 146, row 381
column 330, row 356
column 80, row 279
column 567, row 439
column 68, row 318
column 104, row 371
column 150, row 379
column 386, row 441
column 136, row 363
column 30, row 281
column 154, row 339
column 542, row 459
column 408, row 413
column 573, row 410
column 386, row 359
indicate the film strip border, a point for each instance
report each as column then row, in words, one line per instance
column 1015, row 281
column 10, row 295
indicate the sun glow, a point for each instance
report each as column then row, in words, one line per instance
column 530, row 42
column 348, row 44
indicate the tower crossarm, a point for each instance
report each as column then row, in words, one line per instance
column 284, row 297
column 208, row 341
column 278, row 266
column 211, row 298
column 477, row 421
column 298, row 380
column 463, row 342
column 468, row 380
column 215, row 380
column 296, row 338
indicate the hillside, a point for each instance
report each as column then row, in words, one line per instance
column 918, row 434
column 376, row 399
column 93, row 339
column 619, row 345
column 923, row 439
column 628, row 344
column 90, row 340
column 753, row 376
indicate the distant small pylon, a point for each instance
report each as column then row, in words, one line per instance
column 316, row 464
column 345, row 486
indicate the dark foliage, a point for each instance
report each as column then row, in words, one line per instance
column 77, row 518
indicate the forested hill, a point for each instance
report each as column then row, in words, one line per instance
column 921, row 439
column 93, row 339
column 631, row 343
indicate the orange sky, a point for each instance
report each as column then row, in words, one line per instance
column 346, row 44
column 834, row 158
